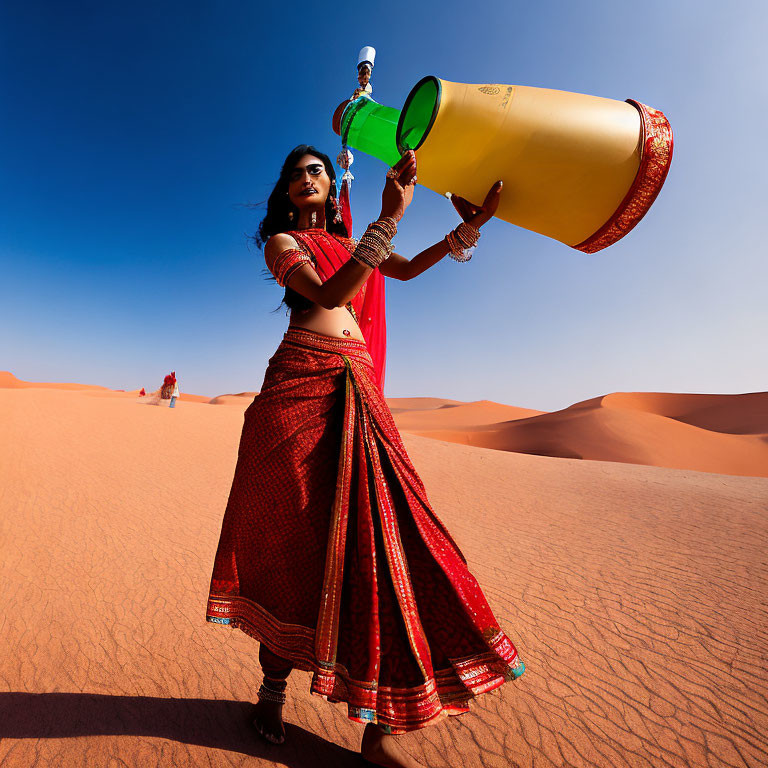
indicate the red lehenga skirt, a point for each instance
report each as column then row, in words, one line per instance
column 331, row 555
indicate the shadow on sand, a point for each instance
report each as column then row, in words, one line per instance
column 221, row 725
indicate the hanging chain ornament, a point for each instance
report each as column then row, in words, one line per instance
column 345, row 158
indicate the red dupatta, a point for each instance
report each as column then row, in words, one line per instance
column 329, row 252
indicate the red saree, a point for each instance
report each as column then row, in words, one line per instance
column 331, row 555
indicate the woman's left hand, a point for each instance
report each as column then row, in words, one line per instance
column 398, row 188
column 482, row 215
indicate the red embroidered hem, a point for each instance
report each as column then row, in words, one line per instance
column 656, row 156
column 446, row 694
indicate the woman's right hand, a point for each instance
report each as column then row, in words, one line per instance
column 398, row 190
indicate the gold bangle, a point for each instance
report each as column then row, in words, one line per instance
column 389, row 223
column 462, row 241
column 375, row 245
column 467, row 234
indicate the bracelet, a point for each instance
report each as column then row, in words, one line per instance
column 462, row 241
column 375, row 245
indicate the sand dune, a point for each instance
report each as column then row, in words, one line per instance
column 243, row 399
column 459, row 416
column 399, row 404
column 711, row 433
column 9, row 381
column 735, row 414
column 635, row 594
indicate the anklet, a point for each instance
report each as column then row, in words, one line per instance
column 267, row 695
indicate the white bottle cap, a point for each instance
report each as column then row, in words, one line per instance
column 366, row 54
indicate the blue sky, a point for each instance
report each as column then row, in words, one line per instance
column 134, row 135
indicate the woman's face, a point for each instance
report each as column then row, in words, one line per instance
column 309, row 182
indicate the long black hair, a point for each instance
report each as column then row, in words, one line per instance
column 279, row 205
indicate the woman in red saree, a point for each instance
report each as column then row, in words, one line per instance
column 330, row 554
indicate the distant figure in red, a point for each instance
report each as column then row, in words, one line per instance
column 330, row 554
column 165, row 392
column 168, row 384
column 142, row 393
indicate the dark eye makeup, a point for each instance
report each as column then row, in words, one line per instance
column 313, row 170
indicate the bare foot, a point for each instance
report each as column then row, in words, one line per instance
column 268, row 721
column 382, row 749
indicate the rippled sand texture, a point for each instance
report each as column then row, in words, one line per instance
column 635, row 594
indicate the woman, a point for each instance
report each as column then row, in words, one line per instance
column 330, row 553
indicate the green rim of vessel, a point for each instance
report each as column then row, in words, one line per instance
column 419, row 112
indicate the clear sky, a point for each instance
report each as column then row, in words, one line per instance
column 133, row 135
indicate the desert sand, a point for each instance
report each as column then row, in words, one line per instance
column 633, row 584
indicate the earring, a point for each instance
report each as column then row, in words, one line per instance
column 290, row 215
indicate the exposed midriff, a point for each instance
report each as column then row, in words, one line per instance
column 331, row 322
